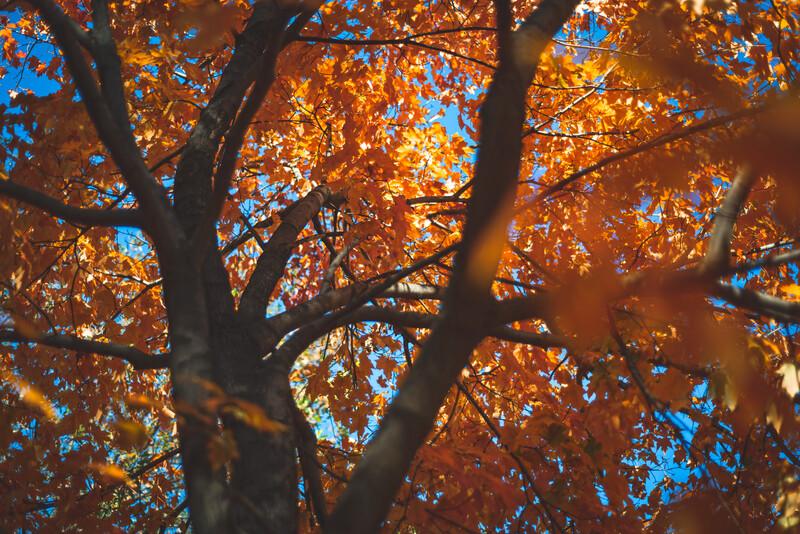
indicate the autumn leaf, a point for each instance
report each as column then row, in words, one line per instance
column 774, row 418
column 181, row 187
column 141, row 401
column 222, row 449
column 131, row 434
column 674, row 388
column 792, row 291
column 30, row 395
column 33, row 397
column 112, row 473
column 251, row 415
column 211, row 20
column 791, row 378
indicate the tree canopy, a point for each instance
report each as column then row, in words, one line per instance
column 440, row 266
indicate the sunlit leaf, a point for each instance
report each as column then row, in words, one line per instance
column 790, row 383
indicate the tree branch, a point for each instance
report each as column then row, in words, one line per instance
column 119, row 141
column 299, row 341
column 104, row 50
column 80, row 216
column 193, row 185
column 398, row 41
column 278, row 250
column 234, row 138
column 766, row 305
column 271, row 330
column 654, row 143
column 349, row 299
column 717, row 259
column 769, row 261
column 336, row 261
column 138, row 359
column 307, row 450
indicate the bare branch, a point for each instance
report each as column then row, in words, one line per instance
column 410, row 40
column 299, row 341
column 405, row 290
column 535, row 339
column 269, row 335
column 330, row 273
column 277, row 326
column 770, row 261
column 436, row 200
column 246, row 236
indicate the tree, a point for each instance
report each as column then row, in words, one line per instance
column 437, row 266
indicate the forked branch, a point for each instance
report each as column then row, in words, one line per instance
column 118, row 140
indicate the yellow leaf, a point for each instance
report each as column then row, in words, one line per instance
column 140, row 401
column 483, row 261
column 454, row 237
column 35, row 398
column 774, row 418
column 616, row 422
column 730, row 397
column 792, row 291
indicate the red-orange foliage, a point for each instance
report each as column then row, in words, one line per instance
column 460, row 265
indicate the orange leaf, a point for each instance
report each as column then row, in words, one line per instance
column 30, row 395
column 252, row 415
column 131, row 434
column 112, row 473
column 222, row 449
